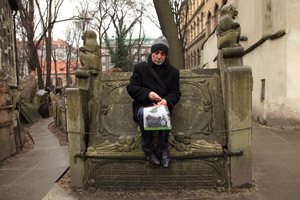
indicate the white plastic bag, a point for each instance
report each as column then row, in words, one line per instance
column 157, row 117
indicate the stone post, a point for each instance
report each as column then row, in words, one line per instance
column 239, row 98
column 237, row 95
column 76, row 119
column 78, row 99
column 7, row 139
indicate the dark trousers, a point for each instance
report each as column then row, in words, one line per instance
column 147, row 136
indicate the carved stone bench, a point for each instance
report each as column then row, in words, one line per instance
column 210, row 142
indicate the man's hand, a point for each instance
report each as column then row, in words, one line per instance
column 163, row 101
column 154, row 97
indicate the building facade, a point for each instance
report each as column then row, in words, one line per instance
column 270, row 30
column 63, row 56
column 139, row 52
column 202, row 18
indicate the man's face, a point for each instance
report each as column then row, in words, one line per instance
column 158, row 57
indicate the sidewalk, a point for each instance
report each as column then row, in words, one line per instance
column 31, row 176
column 276, row 171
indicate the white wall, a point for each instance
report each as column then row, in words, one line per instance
column 277, row 61
column 293, row 53
column 209, row 52
column 269, row 65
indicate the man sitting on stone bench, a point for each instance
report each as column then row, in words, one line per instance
column 154, row 82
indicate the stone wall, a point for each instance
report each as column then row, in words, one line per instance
column 7, row 49
column 8, row 144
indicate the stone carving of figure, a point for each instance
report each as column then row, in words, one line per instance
column 124, row 144
column 89, row 54
column 228, row 31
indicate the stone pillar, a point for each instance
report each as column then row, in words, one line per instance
column 78, row 101
column 239, row 99
column 237, row 95
column 76, row 119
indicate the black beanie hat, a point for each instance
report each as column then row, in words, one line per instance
column 161, row 43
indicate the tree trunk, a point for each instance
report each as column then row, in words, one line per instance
column 28, row 24
column 169, row 30
column 48, row 47
column 48, row 59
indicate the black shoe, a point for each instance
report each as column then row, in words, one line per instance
column 165, row 159
column 153, row 159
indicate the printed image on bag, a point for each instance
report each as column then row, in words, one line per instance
column 157, row 118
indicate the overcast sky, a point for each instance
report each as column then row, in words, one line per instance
column 67, row 10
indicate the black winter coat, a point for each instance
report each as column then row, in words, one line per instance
column 142, row 83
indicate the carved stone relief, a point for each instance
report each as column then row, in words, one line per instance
column 134, row 174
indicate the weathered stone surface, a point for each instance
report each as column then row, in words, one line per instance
column 6, row 122
column 239, row 98
column 7, row 48
column 28, row 88
column 200, row 105
column 76, row 116
column 41, row 102
column 208, row 122
column 136, row 174
column 113, row 134
column 228, row 31
column 89, row 54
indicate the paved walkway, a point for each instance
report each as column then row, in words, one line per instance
column 276, row 171
column 31, row 176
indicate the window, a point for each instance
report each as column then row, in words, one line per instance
column 216, row 15
column 59, row 81
column 198, row 57
column 263, row 88
column 195, row 60
column 103, row 59
column 198, row 26
column 192, row 31
column 195, row 29
column 209, row 28
column 202, row 22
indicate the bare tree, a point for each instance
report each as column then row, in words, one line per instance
column 180, row 10
column 26, row 12
column 48, row 18
column 37, row 23
column 69, row 51
column 101, row 17
column 119, row 55
column 82, row 24
column 137, row 43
